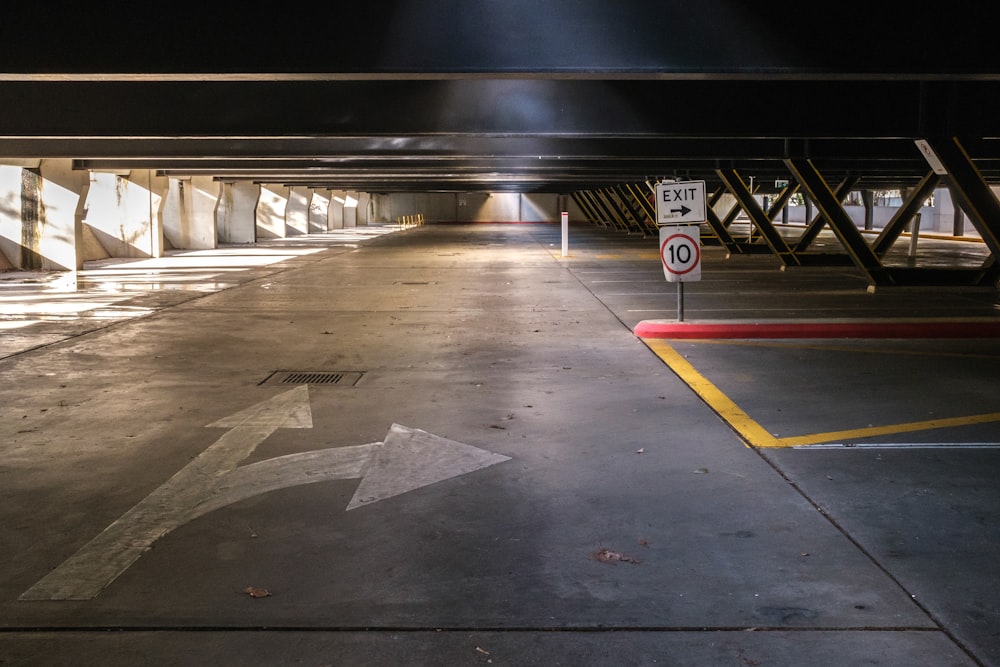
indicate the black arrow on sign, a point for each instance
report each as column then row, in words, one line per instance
column 683, row 210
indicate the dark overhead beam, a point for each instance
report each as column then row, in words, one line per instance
column 553, row 107
column 703, row 38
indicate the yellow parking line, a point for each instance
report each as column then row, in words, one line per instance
column 756, row 435
column 752, row 432
column 871, row 431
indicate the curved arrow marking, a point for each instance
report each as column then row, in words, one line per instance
column 408, row 459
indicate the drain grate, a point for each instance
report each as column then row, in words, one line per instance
column 323, row 378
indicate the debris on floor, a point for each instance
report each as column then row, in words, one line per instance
column 255, row 592
column 605, row 555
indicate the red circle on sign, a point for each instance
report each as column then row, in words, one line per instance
column 693, row 244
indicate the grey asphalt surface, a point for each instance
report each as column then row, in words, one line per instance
column 621, row 520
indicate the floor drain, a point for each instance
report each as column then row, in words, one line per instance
column 322, row 378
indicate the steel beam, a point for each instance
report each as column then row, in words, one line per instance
column 781, row 201
column 602, row 205
column 624, row 196
column 815, row 226
column 842, row 225
column 905, row 213
column 970, row 189
column 774, row 240
column 718, row 228
column 601, row 215
column 584, row 206
column 611, row 198
column 645, row 203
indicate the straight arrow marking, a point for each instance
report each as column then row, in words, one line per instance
column 407, row 460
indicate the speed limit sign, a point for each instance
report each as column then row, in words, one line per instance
column 680, row 250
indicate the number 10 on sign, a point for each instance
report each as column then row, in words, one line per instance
column 680, row 250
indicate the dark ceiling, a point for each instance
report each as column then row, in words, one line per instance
column 549, row 95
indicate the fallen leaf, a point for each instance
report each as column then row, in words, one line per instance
column 609, row 556
column 257, row 592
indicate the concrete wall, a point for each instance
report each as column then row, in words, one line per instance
column 350, row 210
column 189, row 213
column 236, row 212
column 39, row 226
column 270, row 212
column 297, row 211
column 474, row 207
column 319, row 207
column 335, row 216
column 123, row 216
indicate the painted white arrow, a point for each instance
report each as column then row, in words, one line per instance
column 408, row 459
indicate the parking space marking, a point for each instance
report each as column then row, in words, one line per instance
column 892, row 429
column 756, row 435
column 748, row 429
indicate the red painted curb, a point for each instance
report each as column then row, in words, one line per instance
column 931, row 329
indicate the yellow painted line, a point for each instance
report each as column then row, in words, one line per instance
column 753, row 433
column 871, row 431
column 756, row 435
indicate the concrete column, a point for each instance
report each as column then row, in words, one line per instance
column 122, row 215
column 379, row 207
column 297, row 212
column 235, row 214
column 189, row 213
column 868, row 199
column 38, row 225
column 319, row 206
column 364, row 210
column 335, row 216
column 350, row 210
column 270, row 216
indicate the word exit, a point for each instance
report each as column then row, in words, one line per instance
column 680, row 202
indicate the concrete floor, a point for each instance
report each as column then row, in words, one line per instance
column 497, row 470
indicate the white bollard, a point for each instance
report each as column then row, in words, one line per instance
column 565, row 234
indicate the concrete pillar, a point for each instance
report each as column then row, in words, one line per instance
column 189, row 213
column 350, row 210
column 122, row 215
column 319, row 206
column 868, row 199
column 297, row 212
column 379, row 208
column 235, row 214
column 38, row 225
column 335, row 216
column 270, row 215
column 364, row 209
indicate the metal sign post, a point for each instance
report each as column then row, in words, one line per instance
column 680, row 208
column 680, row 251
